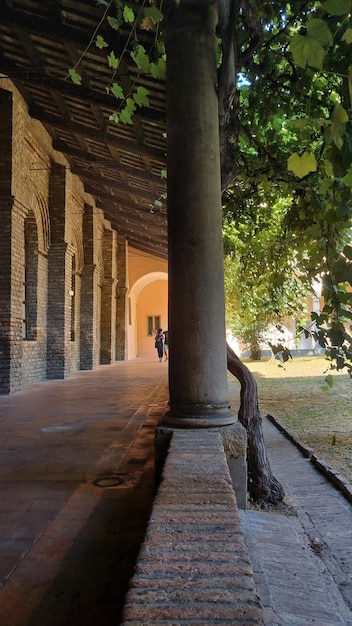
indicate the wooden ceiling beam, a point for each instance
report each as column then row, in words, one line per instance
column 100, row 182
column 105, row 138
column 83, row 95
column 110, row 163
column 117, row 204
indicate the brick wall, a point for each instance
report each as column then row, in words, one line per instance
column 45, row 211
column 193, row 567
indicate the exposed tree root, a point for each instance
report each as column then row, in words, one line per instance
column 263, row 487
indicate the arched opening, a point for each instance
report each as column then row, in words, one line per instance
column 148, row 309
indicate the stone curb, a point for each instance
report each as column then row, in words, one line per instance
column 194, row 566
column 333, row 475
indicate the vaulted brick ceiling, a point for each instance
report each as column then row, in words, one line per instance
column 120, row 165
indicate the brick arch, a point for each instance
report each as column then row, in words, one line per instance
column 36, row 203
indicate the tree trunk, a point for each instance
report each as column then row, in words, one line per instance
column 255, row 351
column 263, row 487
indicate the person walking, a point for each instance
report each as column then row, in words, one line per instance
column 159, row 343
column 166, row 344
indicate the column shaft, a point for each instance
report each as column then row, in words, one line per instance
column 198, row 368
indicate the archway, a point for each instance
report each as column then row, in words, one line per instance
column 148, row 307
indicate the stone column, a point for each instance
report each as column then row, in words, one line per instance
column 198, row 361
column 108, row 301
column 87, row 334
column 121, row 299
column 59, row 279
column 198, row 366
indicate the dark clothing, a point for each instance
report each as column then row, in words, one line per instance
column 159, row 344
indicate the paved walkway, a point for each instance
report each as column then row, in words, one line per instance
column 76, row 488
column 302, row 562
column 77, row 485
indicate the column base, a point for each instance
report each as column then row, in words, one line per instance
column 199, row 416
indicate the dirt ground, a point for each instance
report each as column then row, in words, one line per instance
column 321, row 419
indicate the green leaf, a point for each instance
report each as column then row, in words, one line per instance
column 158, row 69
column 299, row 123
column 336, row 7
column 75, row 77
column 141, row 59
column 329, row 168
column 339, row 120
column 141, row 96
column 154, row 14
column 318, row 29
column 163, row 174
column 128, row 14
column 325, row 185
column 130, row 104
column 347, row 179
column 126, row 115
column 350, row 83
column 347, row 36
column 302, row 165
column 114, row 117
column 100, row 42
column 114, row 23
column 117, row 90
column 147, row 23
column 307, row 51
column 113, row 61
column 340, row 114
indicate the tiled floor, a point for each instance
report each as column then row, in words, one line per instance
column 67, row 545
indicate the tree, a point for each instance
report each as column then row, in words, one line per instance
column 262, row 287
column 290, row 127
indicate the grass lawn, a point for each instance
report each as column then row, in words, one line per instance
column 323, row 420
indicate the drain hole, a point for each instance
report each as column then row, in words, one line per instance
column 108, row 481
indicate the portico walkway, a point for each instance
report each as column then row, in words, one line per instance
column 76, row 487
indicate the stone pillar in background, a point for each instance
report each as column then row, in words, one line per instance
column 87, row 292
column 121, row 299
column 59, row 279
column 108, row 300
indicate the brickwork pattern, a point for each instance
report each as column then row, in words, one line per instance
column 121, row 298
column 108, row 289
column 48, row 226
column 193, row 567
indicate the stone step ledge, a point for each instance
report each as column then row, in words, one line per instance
column 194, row 566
